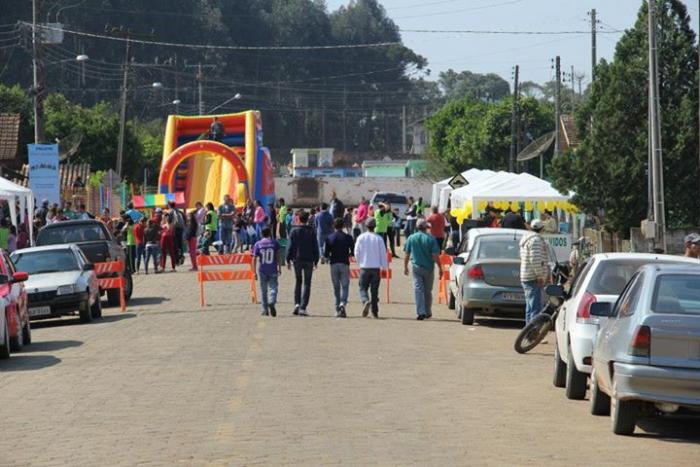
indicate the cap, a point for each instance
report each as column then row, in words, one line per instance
column 422, row 224
column 536, row 225
column 159, row 210
column 692, row 238
column 371, row 223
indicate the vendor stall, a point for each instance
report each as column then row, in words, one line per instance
column 13, row 193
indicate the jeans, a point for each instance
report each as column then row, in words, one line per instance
column 152, row 250
column 321, row 239
column 131, row 257
column 440, row 242
column 369, row 279
column 140, row 255
column 177, row 241
column 410, row 227
column 391, row 234
column 226, row 238
column 303, row 270
column 533, row 299
column 340, row 277
column 268, row 285
column 423, row 290
column 192, row 247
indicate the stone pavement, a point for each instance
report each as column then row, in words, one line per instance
column 170, row 384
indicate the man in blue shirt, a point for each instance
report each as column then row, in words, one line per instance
column 302, row 253
column 423, row 252
column 267, row 267
column 133, row 213
column 227, row 211
column 324, row 227
column 338, row 250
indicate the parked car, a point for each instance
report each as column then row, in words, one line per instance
column 485, row 274
column 601, row 279
column 61, row 282
column 96, row 242
column 397, row 200
column 14, row 299
column 646, row 356
column 4, row 336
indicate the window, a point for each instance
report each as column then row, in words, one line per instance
column 629, row 298
column 464, row 245
column 42, row 262
column 581, row 276
column 75, row 233
column 498, row 247
column 611, row 276
column 677, row 294
column 390, row 198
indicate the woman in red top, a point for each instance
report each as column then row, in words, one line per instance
column 139, row 230
column 167, row 243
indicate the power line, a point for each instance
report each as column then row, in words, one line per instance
column 462, row 10
column 505, row 32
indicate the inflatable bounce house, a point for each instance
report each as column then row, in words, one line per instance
column 195, row 168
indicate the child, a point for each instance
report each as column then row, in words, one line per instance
column 205, row 241
column 266, row 251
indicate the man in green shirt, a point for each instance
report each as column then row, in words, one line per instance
column 282, row 218
column 423, row 253
column 68, row 211
column 383, row 218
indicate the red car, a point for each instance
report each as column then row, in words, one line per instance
column 13, row 298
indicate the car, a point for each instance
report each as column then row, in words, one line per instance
column 485, row 274
column 61, row 282
column 14, row 299
column 398, row 201
column 96, row 242
column 4, row 336
column 646, row 356
column 601, row 279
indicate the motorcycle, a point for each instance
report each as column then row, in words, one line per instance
column 536, row 330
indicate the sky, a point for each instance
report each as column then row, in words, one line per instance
column 500, row 53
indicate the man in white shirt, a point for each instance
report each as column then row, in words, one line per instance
column 370, row 253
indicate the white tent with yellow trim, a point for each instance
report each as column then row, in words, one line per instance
column 442, row 189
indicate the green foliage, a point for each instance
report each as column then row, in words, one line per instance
column 14, row 100
column 471, row 133
column 608, row 170
column 467, row 84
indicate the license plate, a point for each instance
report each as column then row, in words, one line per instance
column 514, row 297
column 40, row 311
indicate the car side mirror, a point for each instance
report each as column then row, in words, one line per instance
column 554, row 290
column 88, row 267
column 450, row 251
column 459, row 261
column 19, row 277
column 601, row 309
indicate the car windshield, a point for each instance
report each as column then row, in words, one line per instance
column 60, row 234
column 498, row 247
column 612, row 276
column 677, row 294
column 42, row 262
column 389, row 198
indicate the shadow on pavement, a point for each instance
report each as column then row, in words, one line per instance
column 675, row 429
column 20, row 362
column 113, row 318
column 142, row 301
column 500, row 323
column 48, row 346
column 75, row 321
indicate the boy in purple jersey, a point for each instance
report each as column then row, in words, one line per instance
column 266, row 253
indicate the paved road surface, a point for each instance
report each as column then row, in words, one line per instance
column 169, row 384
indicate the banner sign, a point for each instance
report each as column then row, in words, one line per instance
column 44, row 172
column 561, row 244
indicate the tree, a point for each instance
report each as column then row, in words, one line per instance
column 608, row 170
column 14, row 100
column 487, row 87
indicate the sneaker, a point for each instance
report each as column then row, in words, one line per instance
column 428, row 315
column 264, row 313
column 375, row 314
column 420, row 317
column 273, row 311
column 365, row 309
column 303, row 313
column 341, row 312
column 296, row 310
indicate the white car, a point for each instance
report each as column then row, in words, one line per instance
column 61, row 282
column 602, row 279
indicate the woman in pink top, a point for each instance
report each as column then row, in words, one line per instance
column 361, row 213
column 260, row 218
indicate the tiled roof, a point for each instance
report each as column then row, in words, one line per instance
column 9, row 136
column 67, row 172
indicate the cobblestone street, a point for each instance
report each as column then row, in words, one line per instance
column 167, row 383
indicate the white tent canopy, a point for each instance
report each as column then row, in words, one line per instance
column 442, row 189
column 12, row 192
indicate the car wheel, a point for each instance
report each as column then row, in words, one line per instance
column 85, row 314
column 27, row 333
column 17, row 342
column 575, row 380
column 559, row 379
column 451, row 300
column 467, row 316
column 96, row 308
column 5, row 345
column 600, row 402
column 624, row 416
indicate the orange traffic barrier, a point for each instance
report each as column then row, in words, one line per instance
column 384, row 274
column 216, row 275
column 445, row 263
column 118, row 282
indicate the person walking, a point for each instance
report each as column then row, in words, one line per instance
column 226, row 213
column 383, row 218
column 211, row 221
column 191, row 236
column 282, row 214
column 152, row 237
column 167, row 244
column 337, row 208
column 324, row 227
column 534, row 268
column 303, row 254
column 437, row 227
column 423, row 253
column 362, row 213
column 260, row 218
column 370, row 253
column 393, row 233
column 411, row 217
column 266, row 265
column 272, row 220
column 139, row 232
column 338, row 249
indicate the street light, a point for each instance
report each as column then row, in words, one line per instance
column 235, row 97
column 157, row 85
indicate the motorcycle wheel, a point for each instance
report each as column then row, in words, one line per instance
column 533, row 333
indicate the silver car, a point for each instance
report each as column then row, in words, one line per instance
column 485, row 275
column 646, row 357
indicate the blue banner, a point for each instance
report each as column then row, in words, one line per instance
column 44, row 172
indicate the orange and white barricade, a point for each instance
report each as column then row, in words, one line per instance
column 219, row 274
column 117, row 282
column 445, row 263
column 384, row 274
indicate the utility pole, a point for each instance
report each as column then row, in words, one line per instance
column 122, row 110
column 557, row 96
column 655, row 127
column 200, row 85
column 403, row 129
column 514, row 122
column 38, row 72
column 594, row 51
column 345, row 120
column 573, row 92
